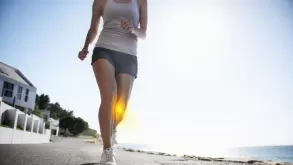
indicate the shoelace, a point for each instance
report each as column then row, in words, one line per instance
column 110, row 154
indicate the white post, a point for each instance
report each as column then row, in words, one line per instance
column 33, row 124
column 57, row 131
column 50, row 125
column 25, row 122
column 14, row 126
column 15, row 119
column 38, row 126
column 44, row 128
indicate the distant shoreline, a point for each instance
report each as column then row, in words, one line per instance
column 219, row 159
column 240, row 160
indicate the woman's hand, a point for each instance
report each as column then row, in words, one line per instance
column 82, row 54
column 128, row 26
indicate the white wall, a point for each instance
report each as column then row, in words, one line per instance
column 35, row 129
column 21, row 120
column 11, row 136
column 4, row 107
column 34, row 133
column 6, row 135
column 41, row 127
column 47, row 132
column 29, row 123
column 22, row 137
column 10, row 115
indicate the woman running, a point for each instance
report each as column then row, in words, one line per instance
column 114, row 61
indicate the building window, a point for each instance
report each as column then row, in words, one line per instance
column 7, row 89
column 26, row 95
column 19, row 93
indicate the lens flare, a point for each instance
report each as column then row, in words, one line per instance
column 130, row 126
column 119, row 109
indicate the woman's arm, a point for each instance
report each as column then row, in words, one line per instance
column 141, row 31
column 92, row 32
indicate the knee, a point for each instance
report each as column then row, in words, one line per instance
column 108, row 98
column 107, row 104
column 120, row 108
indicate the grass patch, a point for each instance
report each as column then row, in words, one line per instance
column 5, row 126
column 19, row 128
column 89, row 133
column 86, row 137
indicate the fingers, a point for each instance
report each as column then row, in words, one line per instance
column 82, row 55
column 126, row 26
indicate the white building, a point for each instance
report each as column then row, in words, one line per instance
column 15, row 89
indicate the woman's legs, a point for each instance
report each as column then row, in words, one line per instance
column 105, row 76
column 124, row 88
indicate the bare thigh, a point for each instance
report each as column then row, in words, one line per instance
column 105, row 76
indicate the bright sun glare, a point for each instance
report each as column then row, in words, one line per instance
column 131, row 127
column 202, row 46
column 197, row 34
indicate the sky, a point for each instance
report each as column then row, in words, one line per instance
column 210, row 73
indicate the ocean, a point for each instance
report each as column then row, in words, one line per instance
column 275, row 153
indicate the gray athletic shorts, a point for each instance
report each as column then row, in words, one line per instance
column 122, row 62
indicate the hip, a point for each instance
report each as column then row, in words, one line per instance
column 122, row 62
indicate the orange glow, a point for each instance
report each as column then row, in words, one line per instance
column 119, row 111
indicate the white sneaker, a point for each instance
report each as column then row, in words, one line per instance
column 114, row 137
column 108, row 157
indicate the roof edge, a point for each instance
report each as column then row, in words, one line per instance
column 19, row 73
column 22, row 76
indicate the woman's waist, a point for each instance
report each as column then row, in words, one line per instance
column 116, row 32
column 116, row 36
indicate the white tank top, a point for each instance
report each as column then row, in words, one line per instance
column 112, row 36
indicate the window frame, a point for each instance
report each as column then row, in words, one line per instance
column 19, row 93
column 6, row 89
column 26, row 96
